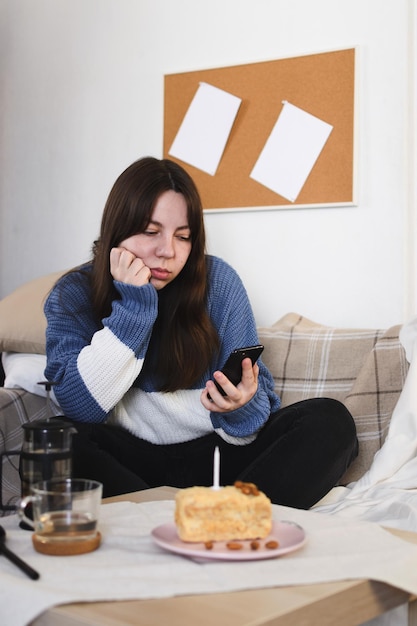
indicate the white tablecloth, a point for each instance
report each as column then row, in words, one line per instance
column 130, row 565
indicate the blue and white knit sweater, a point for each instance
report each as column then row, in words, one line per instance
column 95, row 368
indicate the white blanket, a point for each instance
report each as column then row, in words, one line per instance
column 387, row 493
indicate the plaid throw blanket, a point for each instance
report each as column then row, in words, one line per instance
column 364, row 369
column 16, row 408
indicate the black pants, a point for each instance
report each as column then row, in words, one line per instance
column 298, row 456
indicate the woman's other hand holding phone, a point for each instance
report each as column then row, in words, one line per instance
column 236, row 396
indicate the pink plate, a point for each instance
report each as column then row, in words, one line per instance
column 289, row 536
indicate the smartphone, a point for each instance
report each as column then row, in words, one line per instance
column 233, row 366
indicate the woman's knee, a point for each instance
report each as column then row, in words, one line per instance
column 336, row 413
column 325, row 419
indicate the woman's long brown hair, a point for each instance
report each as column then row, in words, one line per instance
column 184, row 339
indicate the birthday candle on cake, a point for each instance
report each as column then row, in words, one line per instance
column 216, row 468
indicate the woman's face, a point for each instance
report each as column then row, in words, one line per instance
column 165, row 245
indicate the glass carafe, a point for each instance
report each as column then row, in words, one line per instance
column 46, row 452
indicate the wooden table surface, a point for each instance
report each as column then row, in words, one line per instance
column 345, row 603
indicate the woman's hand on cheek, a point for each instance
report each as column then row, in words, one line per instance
column 236, row 396
column 128, row 268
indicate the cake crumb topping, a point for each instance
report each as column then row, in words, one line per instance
column 249, row 489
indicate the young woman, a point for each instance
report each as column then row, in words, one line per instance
column 136, row 339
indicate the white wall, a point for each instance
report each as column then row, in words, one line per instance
column 82, row 97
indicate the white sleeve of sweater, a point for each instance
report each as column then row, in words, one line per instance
column 108, row 378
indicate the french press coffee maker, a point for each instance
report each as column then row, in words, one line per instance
column 46, row 452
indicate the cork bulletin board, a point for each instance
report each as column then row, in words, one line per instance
column 321, row 84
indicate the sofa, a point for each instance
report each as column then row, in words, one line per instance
column 363, row 368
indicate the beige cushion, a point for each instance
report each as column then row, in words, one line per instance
column 364, row 369
column 22, row 320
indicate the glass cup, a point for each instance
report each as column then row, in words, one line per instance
column 65, row 515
